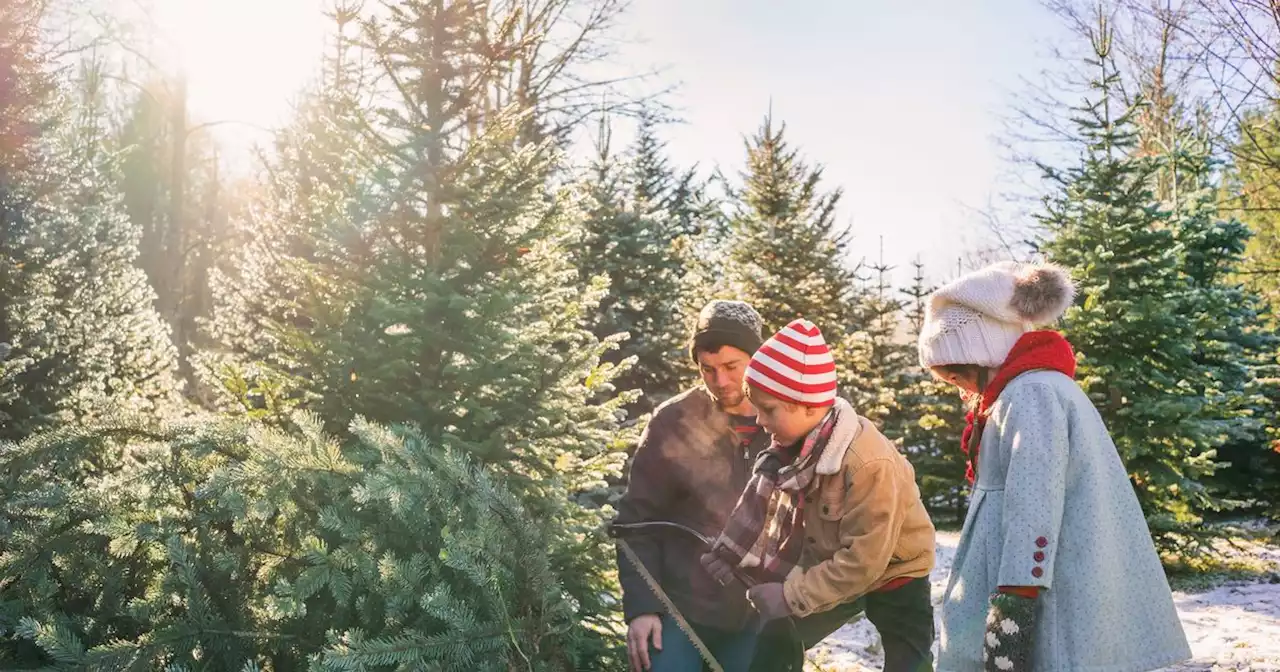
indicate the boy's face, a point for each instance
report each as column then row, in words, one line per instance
column 786, row 422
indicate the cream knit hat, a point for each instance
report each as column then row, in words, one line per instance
column 978, row 318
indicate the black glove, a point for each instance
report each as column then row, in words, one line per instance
column 1009, row 639
column 717, row 567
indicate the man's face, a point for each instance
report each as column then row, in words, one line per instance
column 722, row 373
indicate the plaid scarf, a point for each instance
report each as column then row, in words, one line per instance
column 765, row 532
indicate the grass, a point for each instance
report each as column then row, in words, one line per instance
column 1240, row 556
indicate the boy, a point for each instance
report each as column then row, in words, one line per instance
column 831, row 523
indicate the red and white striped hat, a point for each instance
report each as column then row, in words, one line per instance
column 795, row 365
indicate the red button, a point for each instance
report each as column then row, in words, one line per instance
column 1042, row 542
column 1037, row 572
column 1039, row 556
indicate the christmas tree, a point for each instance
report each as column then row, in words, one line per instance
column 640, row 213
column 231, row 545
column 787, row 257
column 931, row 419
column 1131, row 326
column 410, row 272
column 891, row 360
column 81, row 335
column 1236, row 348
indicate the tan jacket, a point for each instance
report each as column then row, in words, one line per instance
column 864, row 524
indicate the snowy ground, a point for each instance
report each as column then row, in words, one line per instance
column 1234, row 627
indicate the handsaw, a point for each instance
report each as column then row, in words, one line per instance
column 684, row 626
column 671, row 607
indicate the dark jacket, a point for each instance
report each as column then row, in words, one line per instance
column 690, row 468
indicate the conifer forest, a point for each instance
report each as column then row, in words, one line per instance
column 366, row 399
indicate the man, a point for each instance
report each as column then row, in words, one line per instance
column 694, row 459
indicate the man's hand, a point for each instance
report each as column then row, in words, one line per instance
column 717, row 568
column 769, row 600
column 639, row 632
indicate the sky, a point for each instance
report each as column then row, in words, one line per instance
column 900, row 102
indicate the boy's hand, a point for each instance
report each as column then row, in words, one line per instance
column 717, row 568
column 769, row 600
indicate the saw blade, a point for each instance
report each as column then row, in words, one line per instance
column 671, row 607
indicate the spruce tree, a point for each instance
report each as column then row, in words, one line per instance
column 788, row 257
column 639, row 213
column 82, row 335
column 416, row 271
column 226, row 544
column 1253, row 186
column 931, row 419
column 891, row 359
column 1236, row 348
column 1136, row 343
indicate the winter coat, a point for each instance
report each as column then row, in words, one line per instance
column 690, row 468
column 864, row 523
column 1053, row 507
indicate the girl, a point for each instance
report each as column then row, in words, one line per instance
column 1055, row 569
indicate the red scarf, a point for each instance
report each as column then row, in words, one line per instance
column 1035, row 351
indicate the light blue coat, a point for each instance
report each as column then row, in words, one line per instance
column 1053, row 507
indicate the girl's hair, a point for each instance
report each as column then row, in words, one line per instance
column 960, row 370
column 981, row 375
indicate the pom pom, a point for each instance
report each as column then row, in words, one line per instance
column 1042, row 293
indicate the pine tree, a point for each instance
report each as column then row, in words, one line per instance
column 174, row 193
column 1254, row 185
column 639, row 214
column 83, row 337
column 891, row 360
column 787, row 256
column 461, row 314
column 407, row 267
column 931, row 419
column 1136, row 345
column 1236, row 345
column 229, row 545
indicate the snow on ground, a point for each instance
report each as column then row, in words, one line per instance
column 1234, row 627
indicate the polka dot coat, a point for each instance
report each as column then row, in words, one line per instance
column 1053, row 507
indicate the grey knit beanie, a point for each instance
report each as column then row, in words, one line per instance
column 723, row 323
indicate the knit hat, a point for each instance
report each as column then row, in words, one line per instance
column 978, row 318
column 795, row 365
column 724, row 323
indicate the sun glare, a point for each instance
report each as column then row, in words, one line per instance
column 245, row 60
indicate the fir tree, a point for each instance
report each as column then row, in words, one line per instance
column 229, row 545
column 1254, row 187
column 1137, row 346
column 413, row 275
column 1236, row 346
column 787, row 256
column 639, row 213
column 891, row 361
column 83, row 337
column 931, row 419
